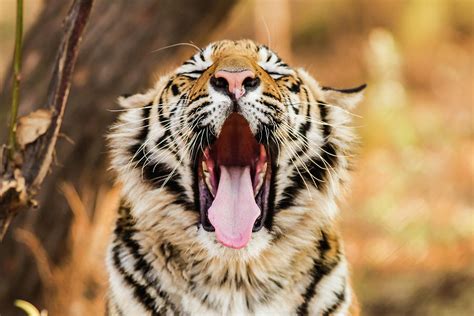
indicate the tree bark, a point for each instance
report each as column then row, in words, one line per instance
column 33, row 139
column 116, row 58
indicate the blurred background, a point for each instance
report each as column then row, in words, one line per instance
column 407, row 222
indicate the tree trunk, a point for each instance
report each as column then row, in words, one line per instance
column 116, row 58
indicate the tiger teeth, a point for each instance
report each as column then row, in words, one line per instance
column 260, row 179
column 207, row 177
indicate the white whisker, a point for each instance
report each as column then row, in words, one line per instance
column 177, row 44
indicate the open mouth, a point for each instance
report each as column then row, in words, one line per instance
column 234, row 182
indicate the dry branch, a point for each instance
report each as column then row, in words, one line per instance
column 22, row 175
column 16, row 77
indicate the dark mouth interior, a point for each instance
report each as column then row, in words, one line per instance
column 235, row 146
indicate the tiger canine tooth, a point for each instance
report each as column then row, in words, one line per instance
column 260, row 179
column 207, row 178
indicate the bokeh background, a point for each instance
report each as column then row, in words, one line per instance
column 407, row 222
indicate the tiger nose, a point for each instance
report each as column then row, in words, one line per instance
column 235, row 84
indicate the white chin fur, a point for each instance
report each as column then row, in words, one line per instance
column 258, row 243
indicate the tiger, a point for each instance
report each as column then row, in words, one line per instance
column 232, row 167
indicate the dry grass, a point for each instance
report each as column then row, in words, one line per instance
column 78, row 286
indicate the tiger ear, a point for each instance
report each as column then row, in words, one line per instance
column 136, row 100
column 347, row 98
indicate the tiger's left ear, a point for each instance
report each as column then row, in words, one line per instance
column 347, row 98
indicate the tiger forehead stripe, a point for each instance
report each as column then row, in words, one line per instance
column 231, row 166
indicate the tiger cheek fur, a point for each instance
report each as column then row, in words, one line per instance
column 231, row 169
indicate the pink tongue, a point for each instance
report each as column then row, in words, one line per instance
column 234, row 210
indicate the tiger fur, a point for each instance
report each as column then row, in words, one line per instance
column 162, row 261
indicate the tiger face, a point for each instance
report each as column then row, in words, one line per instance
column 234, row 152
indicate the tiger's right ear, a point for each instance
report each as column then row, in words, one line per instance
column 136, row 100
column 347, row 98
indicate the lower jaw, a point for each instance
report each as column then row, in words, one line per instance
column 261, row 199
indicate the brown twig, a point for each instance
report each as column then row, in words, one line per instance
column 16, row 77
column 37, row 156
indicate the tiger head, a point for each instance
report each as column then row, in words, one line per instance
column 234, row 152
